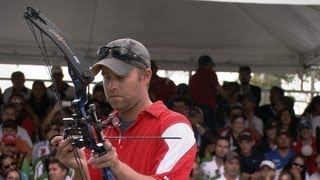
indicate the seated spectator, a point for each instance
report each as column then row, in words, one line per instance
column 7, row 164
column 13, row 174
column 8, row 112
column 316, row 175
column 19, row 150
column 43, row 147
column 39, row 101
column 214, row 167
column 233, row 131
column 282, row 154
column 231, row 113
column 57, row 171
column 250, row 157
column 248, row 102
column 286, row 175
column 306, row 145
column 208, row 146
column 194, row 175
column 267, row 170
column 268, row 142
column 287, row 122
column 231, row 167
column 297, row 167
column 26, row 118
column 98, row 96
column 312, row 113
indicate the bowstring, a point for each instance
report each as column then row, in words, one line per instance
column 45, row 58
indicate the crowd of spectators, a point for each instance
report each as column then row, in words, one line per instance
column 237, row 137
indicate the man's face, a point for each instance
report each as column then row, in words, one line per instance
column 232, row 167
column 180, row 107
column 246, row 147
column 38, row 90
column 222, row 147
column 305, row 133
column 18, row 82
column 271, row 133
column 247, row 104
column 127, row 91
column 244, row 77
column 56, row 172
column 9, row 113
column 238, row 125
column 283, row 141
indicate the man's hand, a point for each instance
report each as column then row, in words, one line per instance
column 107, row 159
column 66, row 153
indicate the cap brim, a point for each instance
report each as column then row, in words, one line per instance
column 117, row 66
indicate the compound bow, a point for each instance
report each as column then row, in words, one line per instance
column 84, row 123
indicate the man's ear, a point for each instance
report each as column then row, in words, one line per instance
column 147, row 75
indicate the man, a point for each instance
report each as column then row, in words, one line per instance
column 160, row 88
column 267, row 170
column 58, row 87
column 204, row 86
column 283, row 153
column 252, row 122
column 268, row 111
column 231, row 167
column 125, row 67
column 250, row 158
column 269, row 141
column 18, row 79
column 57, row 171
column 245, row 86
column 214, row 168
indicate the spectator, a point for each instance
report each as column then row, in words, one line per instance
column 246, row 87
column 8, row 113
column 268, row 142
column 6, row 165
column 98, row 96
column 231, row 167
column 267, row 170
column 248, row 102
column 267, row 111
column 306, row 145
column 18, row 149
column 286, row 175
column 312, row 113
column 12, row 174
column 316, row 175
column 282, row 154
column 214, row 168
column 26, row 118
column 204, row 86
column 43, row 147
column 160, row 89
column 208, row 146
column 297, row 167
column 194, row 175
column 59, row 89
column 57, row 171
column 18, row 80
column 231, row 113
column 39, row 101
column 287, row 122
column 250, row 157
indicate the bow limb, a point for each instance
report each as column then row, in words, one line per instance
column 82, row 125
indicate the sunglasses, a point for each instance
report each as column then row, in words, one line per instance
column 10, row 165
column 122, row 54
column 298, row 165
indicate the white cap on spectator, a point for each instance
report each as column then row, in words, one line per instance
column 268, row 163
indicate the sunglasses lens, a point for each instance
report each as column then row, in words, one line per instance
column 102, row 53
column 121, row 53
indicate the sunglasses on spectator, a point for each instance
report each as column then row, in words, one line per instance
column 298, row 165
column 120, row 53
column 12, row 164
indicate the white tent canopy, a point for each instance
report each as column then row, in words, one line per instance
column 269, row 38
